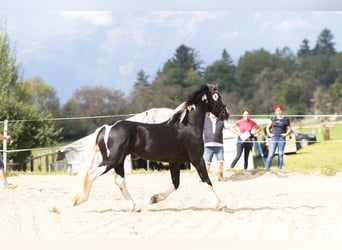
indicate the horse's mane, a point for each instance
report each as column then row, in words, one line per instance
column 181, row 112
column 197, row 95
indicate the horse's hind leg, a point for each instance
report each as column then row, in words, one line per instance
column 175, row 174
column 87, row 179
column 120, row 182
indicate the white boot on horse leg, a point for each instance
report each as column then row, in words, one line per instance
column 219, row 205
column 162, row 196
column 120, row 182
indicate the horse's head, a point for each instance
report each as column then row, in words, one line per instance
column 215, row 104
column 209, row 95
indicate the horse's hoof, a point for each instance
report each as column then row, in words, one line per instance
column 137, row 210
column 75, row 201
column 153, row 199
column 134, row 209
column 221, row 206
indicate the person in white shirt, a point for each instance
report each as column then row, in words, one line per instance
column 213, row 142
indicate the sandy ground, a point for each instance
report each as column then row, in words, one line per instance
column 261, row 206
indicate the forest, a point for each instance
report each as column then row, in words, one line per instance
column 305, row 82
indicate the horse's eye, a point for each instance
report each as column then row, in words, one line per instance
column 215, row 96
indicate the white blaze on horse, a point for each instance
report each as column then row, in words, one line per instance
column 176, row 141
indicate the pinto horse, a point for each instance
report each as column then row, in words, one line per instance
column 176, row 141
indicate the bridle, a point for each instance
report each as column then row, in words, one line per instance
column 216, row 97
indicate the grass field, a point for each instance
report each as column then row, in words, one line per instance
column 325, row 156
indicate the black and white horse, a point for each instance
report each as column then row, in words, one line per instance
column 176, row 141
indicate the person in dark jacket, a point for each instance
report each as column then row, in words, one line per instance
column 213, row 142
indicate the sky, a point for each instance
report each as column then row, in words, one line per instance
column 72, row 44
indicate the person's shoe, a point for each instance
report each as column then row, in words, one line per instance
column 220, row 177
column 11, row 186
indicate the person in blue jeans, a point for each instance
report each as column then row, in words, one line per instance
column 277, row 129
column 213, row 142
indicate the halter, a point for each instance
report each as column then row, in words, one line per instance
column 215, row 96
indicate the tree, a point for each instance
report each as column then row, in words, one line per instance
column 182, row 70
column 74, row 128
column 92, row 101
column 284, row 59
column 29, row 127
column 185, row 58
column 325, row 44
column 176, row 68
column 226, row 57
column 293, row 93
column 222, row 72
column 142, row 79
column 9, row 69
column 251, row 64
column 267, row 81
column 155, row 96
column 34, row 91
column 304, row 49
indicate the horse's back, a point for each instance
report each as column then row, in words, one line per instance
column 157, row 142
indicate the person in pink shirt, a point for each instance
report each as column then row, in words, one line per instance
column 243, row 128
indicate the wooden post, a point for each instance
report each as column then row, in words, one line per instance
column 47, row 162
column 32, row 164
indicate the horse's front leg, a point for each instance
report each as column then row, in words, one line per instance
column 120, row 182
column 203, row 173
column 175, row 173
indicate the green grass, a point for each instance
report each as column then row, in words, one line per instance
column 325, row 156
column 335, row 132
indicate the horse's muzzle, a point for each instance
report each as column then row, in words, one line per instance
column 224, row 114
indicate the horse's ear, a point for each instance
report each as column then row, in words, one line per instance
column 215, row 87
column 212, row 87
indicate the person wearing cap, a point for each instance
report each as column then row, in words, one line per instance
column 277, row 129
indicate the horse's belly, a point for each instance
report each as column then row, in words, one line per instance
column 164, row 153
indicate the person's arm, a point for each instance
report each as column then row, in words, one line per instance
column 235, row 129
column 268, row 126
column 257, row 129
column 288, row 131
column 2, row 137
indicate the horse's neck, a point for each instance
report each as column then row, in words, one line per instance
column 197, row 116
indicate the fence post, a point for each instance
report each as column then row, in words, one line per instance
column 32, row 164
column 327, row 132
column 4, row 143
column 47, row 163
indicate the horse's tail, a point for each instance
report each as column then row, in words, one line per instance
column 82, row 188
